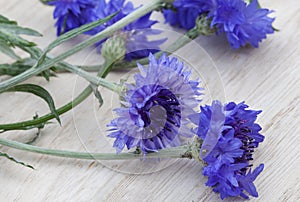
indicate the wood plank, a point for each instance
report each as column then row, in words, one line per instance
column 267, row 78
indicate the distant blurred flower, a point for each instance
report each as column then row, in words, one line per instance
column 241, row 22
column 71, row 14
column 229, row 137
column 156, row 110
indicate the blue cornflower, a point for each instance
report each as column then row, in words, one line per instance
column 135, row 34
column 71, row 14
column 229, row 135
column 242, row 23
column 156, row 109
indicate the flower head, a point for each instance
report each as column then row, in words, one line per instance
column 157, row 107
column 229, row 135
column 134, row 34
column 241, row 22
column 71, row 14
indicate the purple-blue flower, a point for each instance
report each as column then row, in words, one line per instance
column 241, row 22
column 229, row 135
column 135, row 34
column 156, row 109
column 71, row 14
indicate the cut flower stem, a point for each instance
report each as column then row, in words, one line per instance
column 174, row 152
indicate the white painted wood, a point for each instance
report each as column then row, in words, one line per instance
column 267, row 78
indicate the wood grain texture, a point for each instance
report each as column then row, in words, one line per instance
column 267, row 78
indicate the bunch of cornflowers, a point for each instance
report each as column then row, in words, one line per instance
column 242, row 22
column 161, row 113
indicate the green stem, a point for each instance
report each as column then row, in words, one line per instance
column 152, row 5
column 93, row 79
column 174, row 152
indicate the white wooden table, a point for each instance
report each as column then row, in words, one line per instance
column 267, row 78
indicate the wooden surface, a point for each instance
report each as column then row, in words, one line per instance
column 267, row 78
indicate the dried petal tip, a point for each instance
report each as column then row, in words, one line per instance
column 230, row 136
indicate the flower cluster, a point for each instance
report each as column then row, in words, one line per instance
column 241, row 22
column 157, row 108
column 230, row 137
column 71, row 14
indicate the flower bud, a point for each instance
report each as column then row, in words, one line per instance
column 114, row 49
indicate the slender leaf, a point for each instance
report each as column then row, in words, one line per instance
column 4, row 48
column 15, row 160
column 40, row 92
column 12, row 28
column 14, row 39
column 6, row 20
column 9, row 38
